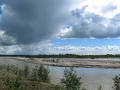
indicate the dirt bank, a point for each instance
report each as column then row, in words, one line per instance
column 62, row 62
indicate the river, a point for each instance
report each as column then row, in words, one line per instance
column 92, row 78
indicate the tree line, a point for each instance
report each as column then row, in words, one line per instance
column 65, row 56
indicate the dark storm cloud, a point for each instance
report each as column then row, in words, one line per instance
column 31, row 21
column 108, row 8
column 28, row 21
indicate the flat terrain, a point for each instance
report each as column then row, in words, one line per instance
column 72, row 62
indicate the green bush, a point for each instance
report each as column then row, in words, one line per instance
column 26, row 71
column 116, row 83
column 40, row 73
column 13, row 85
column 100, row 88
column 70, row 81
column 43, row 74
column 34, row 73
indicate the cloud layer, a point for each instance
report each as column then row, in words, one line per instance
column 34, row 21
column 25, row 25
column 99, row 24
column 48, row 48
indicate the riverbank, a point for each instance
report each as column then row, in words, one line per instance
column 12, row 78
column 71, row 62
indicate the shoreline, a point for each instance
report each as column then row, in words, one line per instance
column 63, row 62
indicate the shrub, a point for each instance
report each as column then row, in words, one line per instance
column 43, row 74
column 100, row 88
column 26, row 71
column 70, row 81
column 116, row 83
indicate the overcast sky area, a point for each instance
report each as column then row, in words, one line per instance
column 60, row 26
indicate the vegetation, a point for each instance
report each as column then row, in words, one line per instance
column 65, row 56
column 100, row 88
column 14, row 78
column 70, row 81
column 116, row 83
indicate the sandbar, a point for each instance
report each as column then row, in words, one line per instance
column 72, row 62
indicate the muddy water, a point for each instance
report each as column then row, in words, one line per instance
column 91, row 77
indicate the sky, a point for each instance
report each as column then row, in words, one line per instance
column 82, row 27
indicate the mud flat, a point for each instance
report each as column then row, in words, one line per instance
column 63, row 62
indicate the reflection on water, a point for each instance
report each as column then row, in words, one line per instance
column 91, row 77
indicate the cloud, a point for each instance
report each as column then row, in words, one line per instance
column 115, row 20
column 7, row 50
column 27, row 24
column 92, row 25
column 6, row 40
column 108, row 8
column 36, row 48
column 96, row 18
column 49, row 48
column 68, row 47
column 87, row 50
column 34, row 21
column 79, row 12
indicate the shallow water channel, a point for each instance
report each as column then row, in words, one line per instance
column 91, row 77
